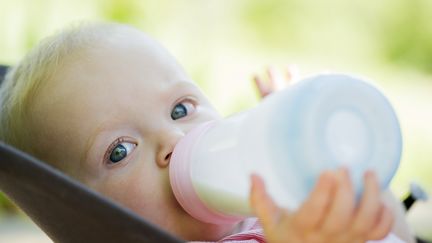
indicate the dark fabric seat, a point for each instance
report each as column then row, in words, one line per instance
column 66, row 210
column 3, row 70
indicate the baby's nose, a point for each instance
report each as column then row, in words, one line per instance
column 168, row 140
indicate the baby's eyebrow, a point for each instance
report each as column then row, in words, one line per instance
column 184, row 85
column 103, row 126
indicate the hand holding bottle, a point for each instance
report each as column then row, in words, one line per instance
column 329, row 214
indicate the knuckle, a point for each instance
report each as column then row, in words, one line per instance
column 335, row 227
column 301, row 222
column 380, row 231
column 376, row 235
column 314, row 238
column 360, row 228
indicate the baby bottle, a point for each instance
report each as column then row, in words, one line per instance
column 323, row 122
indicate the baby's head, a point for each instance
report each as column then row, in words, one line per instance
column 106, row 104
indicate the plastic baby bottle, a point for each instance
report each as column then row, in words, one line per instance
column 320, row 123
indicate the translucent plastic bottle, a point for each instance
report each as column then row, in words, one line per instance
column 323, row 122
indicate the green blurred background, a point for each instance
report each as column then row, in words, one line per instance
column 222, row 43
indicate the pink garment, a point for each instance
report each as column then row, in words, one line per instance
column 250, row 231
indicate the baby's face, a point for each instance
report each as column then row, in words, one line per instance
column 112, row 118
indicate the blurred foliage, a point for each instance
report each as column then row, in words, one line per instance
column 407, row 37
column 221, row 43
column 398, row 31
column 6, row 206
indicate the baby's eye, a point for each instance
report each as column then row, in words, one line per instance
column 120, row 151
column 182, row 109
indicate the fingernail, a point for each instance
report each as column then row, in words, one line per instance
column 344, row 170
column 370, row 174
column 325, row 173
column 253, row 178
column 326, row 177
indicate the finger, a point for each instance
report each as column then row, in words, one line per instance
column 262, row 204
column 313, row 210
column 342, row 207
column 279, row 79
column 292, row 73
column 263, row 89
column 273, row 78
column 383, row 225
column 369, row 205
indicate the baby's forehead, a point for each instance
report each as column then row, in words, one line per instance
column 118, row 74
column 127, row 38
column 85, row 43
column 127, row 51
column 117, row 58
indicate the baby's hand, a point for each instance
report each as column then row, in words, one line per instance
column 275, row 80
column 328, row 215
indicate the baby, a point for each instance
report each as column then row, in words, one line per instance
column 106, row 104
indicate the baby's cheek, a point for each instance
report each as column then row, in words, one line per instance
column 140, row 192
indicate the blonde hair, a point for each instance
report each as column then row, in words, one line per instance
column 23, row 82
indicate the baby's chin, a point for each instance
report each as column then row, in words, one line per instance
column 191, row 229
column 201, row 231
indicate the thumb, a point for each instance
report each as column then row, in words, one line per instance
column 262, row 204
